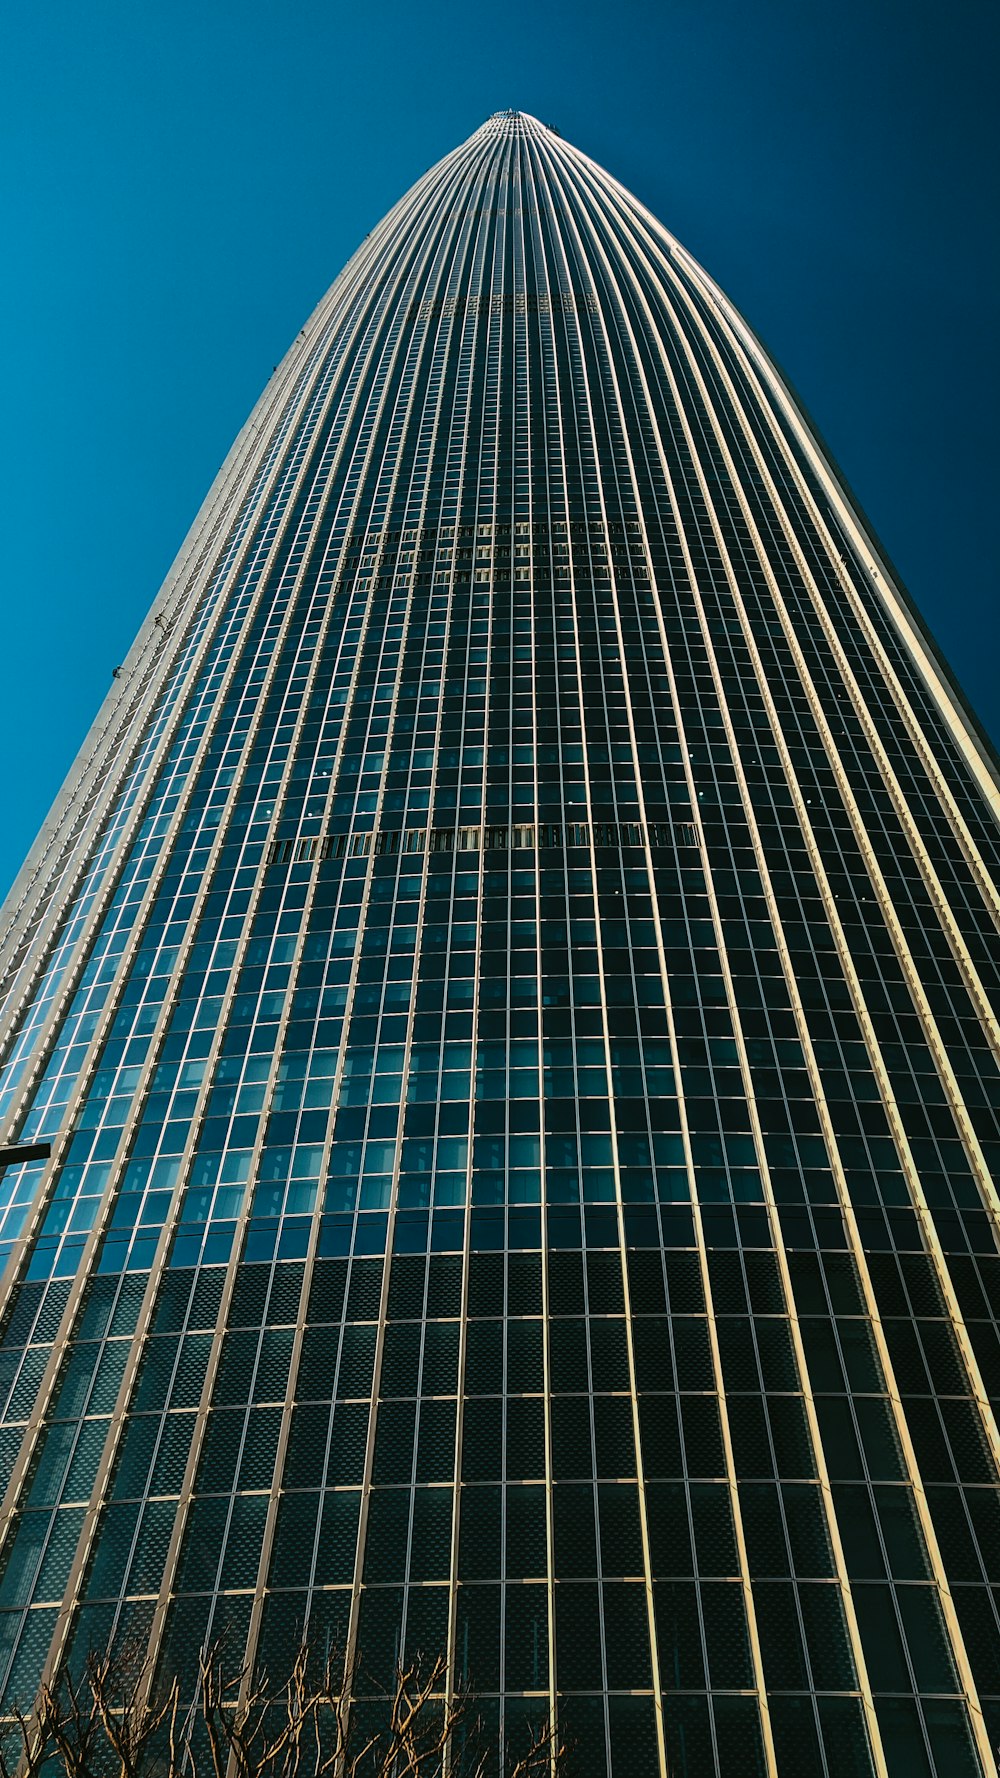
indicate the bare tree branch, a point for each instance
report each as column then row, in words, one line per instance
column 113, row 1721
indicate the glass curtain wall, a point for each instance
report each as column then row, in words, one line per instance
column 510, row 985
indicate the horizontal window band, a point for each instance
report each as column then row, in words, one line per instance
column 495, row 837
column 517, row 302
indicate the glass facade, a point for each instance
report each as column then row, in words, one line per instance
column 511, row 988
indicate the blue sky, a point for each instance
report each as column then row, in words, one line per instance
column 181, row 181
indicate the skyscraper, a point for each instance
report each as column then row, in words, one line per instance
column 510, row 985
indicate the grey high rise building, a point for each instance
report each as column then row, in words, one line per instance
column 510, row 984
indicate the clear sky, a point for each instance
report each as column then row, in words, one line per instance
column 182, row 179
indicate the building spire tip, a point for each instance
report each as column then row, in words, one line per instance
column 511, row 119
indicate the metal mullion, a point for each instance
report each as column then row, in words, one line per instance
column 163, row 1246
column 124, row 1393
column 588, row 1318
column 411, row 1485
column 847, row 1210
column 747, row 350
column 922, row 1005
column 939, row 899
column 562, row 408
column 362, row 396
column 214, row 626
column 958, row 1647
column 547, row 1363
column 321, row 404
column 846, row 1205
column 888, row 911
column 352, row 1634
column 522, row 361
column 462, row 226
column 833, row 1529
column 91, row 931
column 447, row 257
column 319, row 322
column 460, row 1392
column 472, row 174
column 351, row 1647
column 461, row 410
column 201, row 1419
column 394, row 352
column 667, row 247
column 504, row 1378
column 655, row 1684
column 809, row 1403
column 979, row 870
column 461, row 1375
column 416, row 349
column 473, row 255
column 83, row 1268
column 755, row 1121
column 498, row 288
column 449, row 269
column 539, row 260
column 311, row 1588
column 749, row 1603
column 309, row 1266
column 187, row 1487
column 459, row 242
column 482, row 241
column 894, row 601
column 748, row 1084
column 185, row 568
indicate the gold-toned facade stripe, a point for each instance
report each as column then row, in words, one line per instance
column 731, row 1479
column 781, row 1257
column 888, row 912
column 940, row 1577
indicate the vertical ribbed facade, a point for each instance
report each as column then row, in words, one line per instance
column 511, row 987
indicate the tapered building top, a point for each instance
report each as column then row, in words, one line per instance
column 510, row 986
